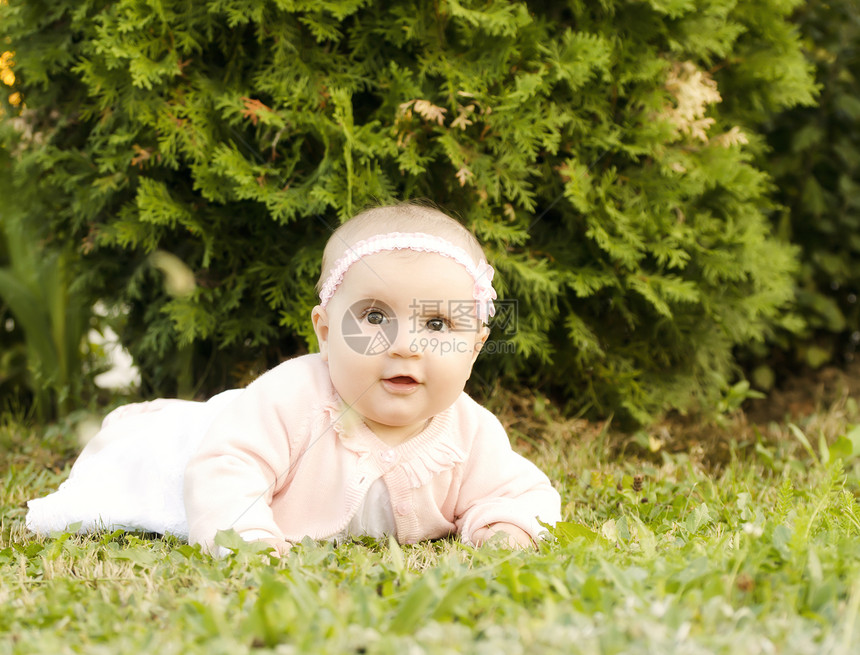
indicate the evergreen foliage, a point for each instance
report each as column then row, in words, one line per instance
column 816, row 164
column 603, row 151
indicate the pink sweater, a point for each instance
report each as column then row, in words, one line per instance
column 281, row 461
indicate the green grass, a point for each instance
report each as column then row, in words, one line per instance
column 661, row 552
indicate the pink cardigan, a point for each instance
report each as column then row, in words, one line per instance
column 282, row 462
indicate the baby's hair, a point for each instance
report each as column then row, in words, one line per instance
column 402, row 217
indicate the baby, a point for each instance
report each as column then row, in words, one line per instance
column 371, row 436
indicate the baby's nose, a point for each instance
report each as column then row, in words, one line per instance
column 404, row 344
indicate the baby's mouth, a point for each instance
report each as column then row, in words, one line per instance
column 401, row 384
column 402, row 379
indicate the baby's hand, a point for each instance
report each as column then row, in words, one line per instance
column 517, row 537
column 280, row 546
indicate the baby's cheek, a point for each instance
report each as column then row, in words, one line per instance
column 461, row 344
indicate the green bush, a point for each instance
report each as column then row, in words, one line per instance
column 585, row 143
column 815, row 161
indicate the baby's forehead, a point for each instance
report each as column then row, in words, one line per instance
column 407, row 267
column 397, row 275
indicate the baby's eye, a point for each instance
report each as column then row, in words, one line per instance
column 375, row 317
column 437, row 324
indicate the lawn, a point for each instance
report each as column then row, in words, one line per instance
column 742, row 539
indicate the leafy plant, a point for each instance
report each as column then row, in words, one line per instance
column 13, row 358
column 603, row 151
column 44, row 318
column 815, row 162
column 35, row 288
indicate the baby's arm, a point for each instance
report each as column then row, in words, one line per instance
column 502, row 491
column 230, row 481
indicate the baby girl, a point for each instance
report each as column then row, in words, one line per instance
column 373, row 435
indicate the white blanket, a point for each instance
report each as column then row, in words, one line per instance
column 130, row 474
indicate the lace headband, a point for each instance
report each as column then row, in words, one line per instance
column 482, row 272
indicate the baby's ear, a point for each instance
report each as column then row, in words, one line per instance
column 319, row 317
column 480, row 340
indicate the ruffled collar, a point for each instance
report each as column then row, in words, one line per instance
column 431, row 451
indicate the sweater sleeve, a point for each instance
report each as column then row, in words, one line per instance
column 500, row 485
column 243, row 461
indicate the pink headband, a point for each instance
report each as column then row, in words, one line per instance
column 482, row 272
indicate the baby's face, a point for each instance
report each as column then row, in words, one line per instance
column 400, row 336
